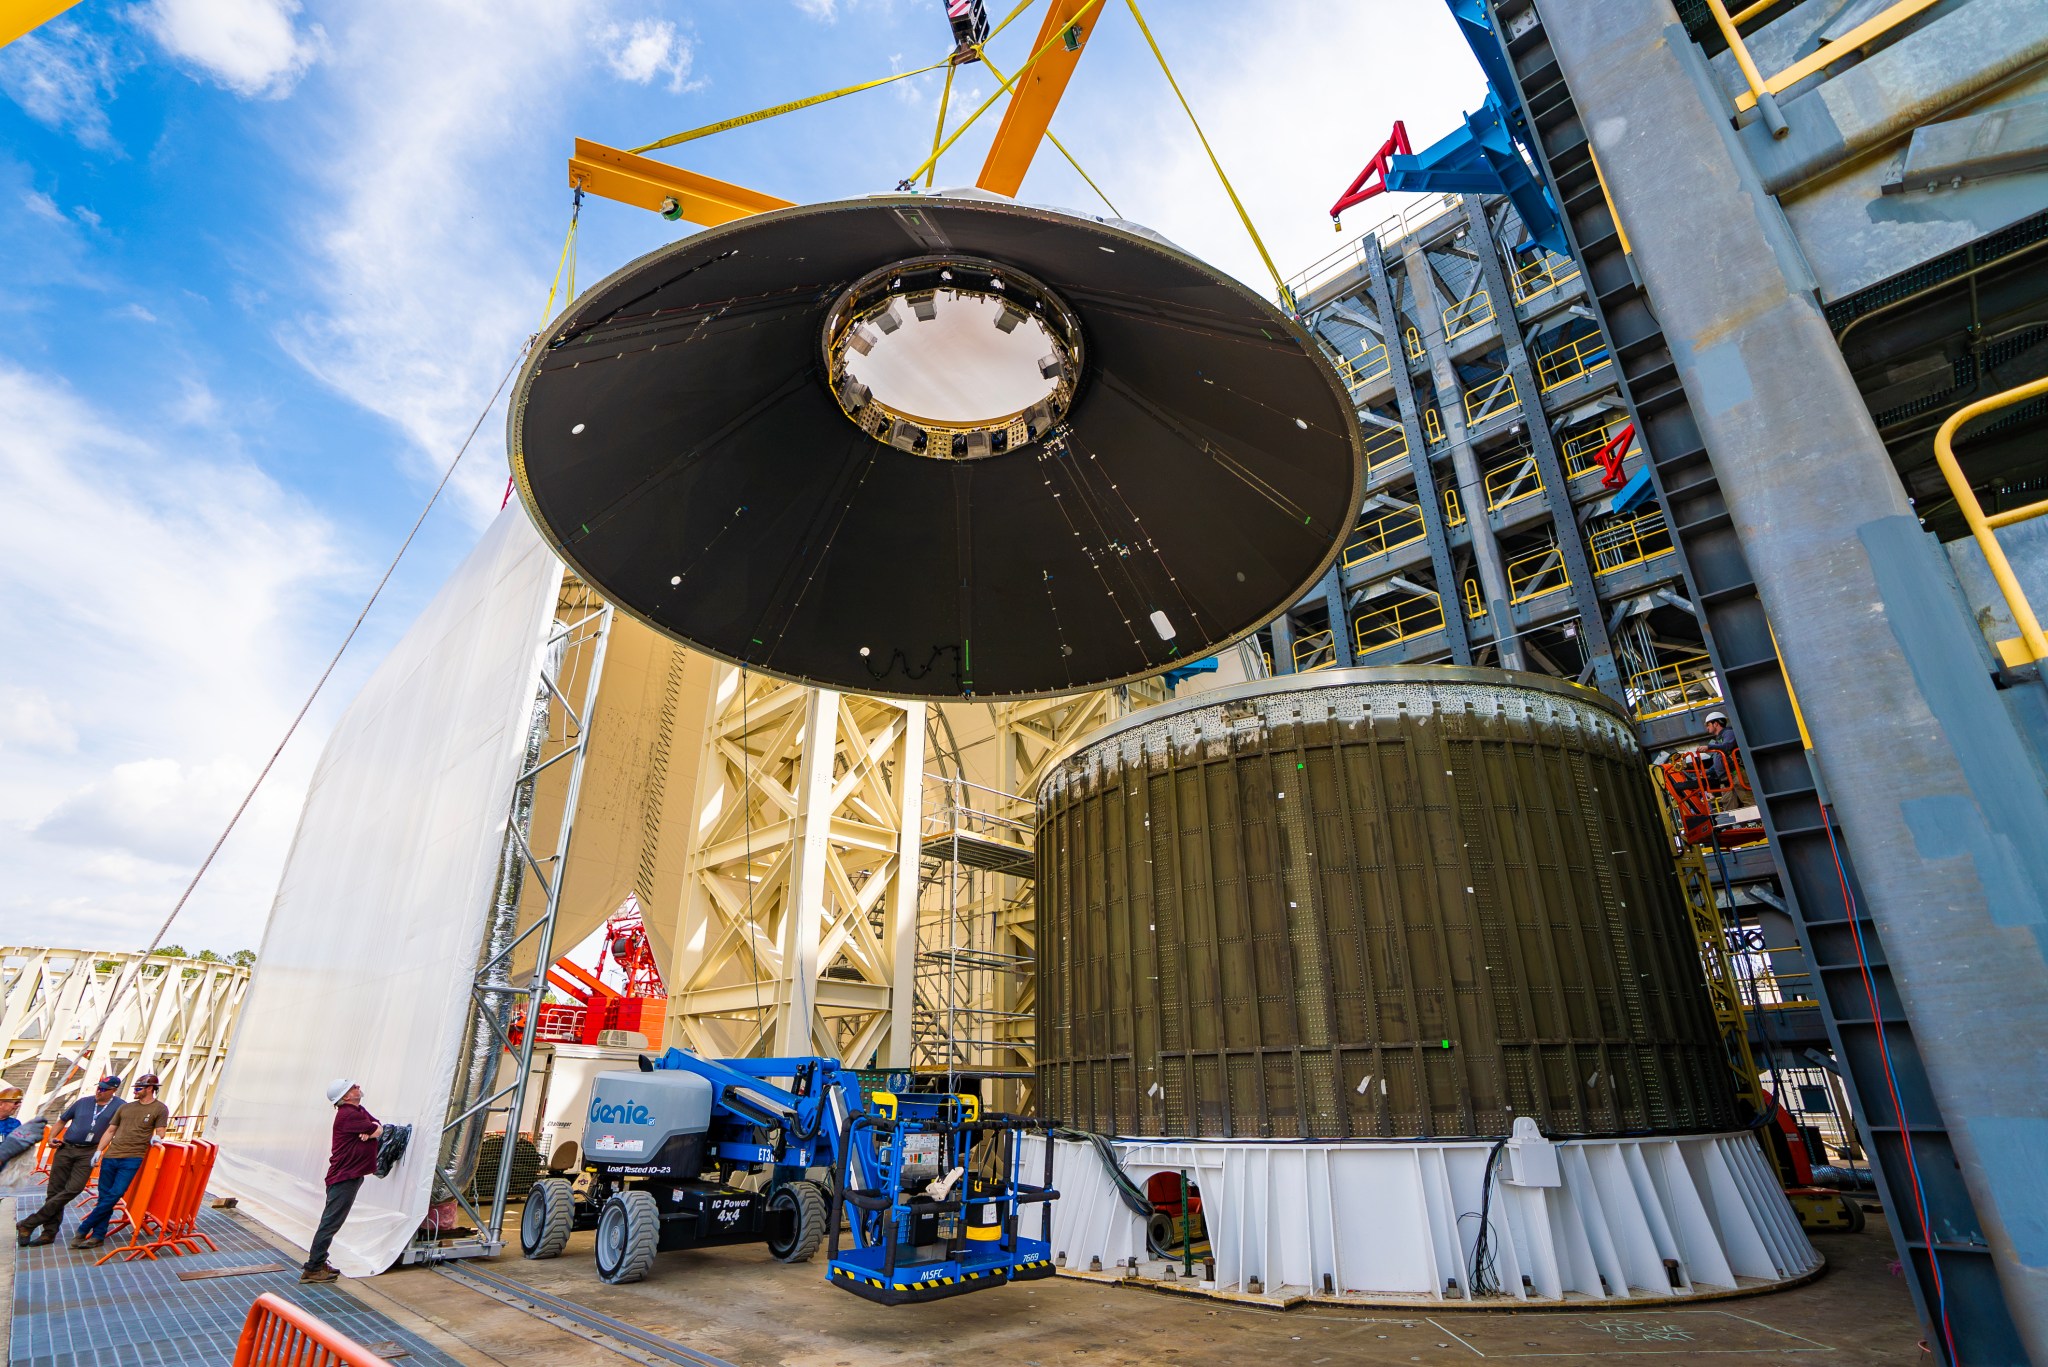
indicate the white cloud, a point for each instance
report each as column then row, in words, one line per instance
column 423, row 292
column 30, row 720
column 61, row 76
column 253, row 47
column 646, row 49
column 153, row 809
column 162, row 612
column 42, row 206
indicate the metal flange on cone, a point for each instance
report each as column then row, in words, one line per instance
column 937, row 447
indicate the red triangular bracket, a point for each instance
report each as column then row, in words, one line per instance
column 1396, row 145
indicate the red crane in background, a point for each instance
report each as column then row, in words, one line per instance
column 597, row 1006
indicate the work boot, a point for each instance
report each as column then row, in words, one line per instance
column 43, row 1239
column 21, row 1235
column 318, row 1274
column 86, row 1241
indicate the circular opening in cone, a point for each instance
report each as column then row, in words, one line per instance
column 952, row 357
column 959, row 366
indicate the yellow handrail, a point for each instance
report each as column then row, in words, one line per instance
column 1527, row 573
column 1414, row 345
column 2031, row 644
column 1568, row 360
column 1473, row 311
column 1385, row 446
column 1371, row 362
column 1761, row 92
column 1411, row 617
column 1581, row 448
column 1310, row 647
column 1675, row 686
column 1491, row 399
column 1475, row 601
column 1630, row 541
column 1504, row 485
column 1432, row 427
column 1542, row 274
column 1402, row 527
column 1454, row 511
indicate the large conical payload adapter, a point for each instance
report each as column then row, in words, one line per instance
column 937, row 446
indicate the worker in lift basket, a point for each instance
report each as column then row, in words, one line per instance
column 352, row 1157
column 79, row 1131
column 135, row 1127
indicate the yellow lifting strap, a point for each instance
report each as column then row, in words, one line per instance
column 1286, row 298
column 566, row 267
column 945, row 101
column 742, row 120
column 1042, row 49
column 1049, row 137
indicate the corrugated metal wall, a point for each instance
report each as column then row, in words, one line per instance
column 1368, row 904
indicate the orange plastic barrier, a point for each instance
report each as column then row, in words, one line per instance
column 160, row 1209
column 279, row 1334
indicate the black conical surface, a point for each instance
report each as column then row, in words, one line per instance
column 674, row 436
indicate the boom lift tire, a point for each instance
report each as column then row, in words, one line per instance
column 549, row 1216
column 804, row 1206
column 628, row 1233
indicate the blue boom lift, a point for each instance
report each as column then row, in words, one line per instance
column 918, row 1190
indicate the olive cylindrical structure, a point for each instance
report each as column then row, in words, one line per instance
column 1370, row 903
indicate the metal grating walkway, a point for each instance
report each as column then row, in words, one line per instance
column 69, row 1313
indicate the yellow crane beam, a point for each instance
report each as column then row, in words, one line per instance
column 649, row 184
column 25, row 16
column 1039, row 91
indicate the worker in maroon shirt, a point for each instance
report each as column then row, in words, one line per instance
column 352, row 1158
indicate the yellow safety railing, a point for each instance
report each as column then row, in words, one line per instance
column 1537, row 573
column 2030, row 644
column 1675, row 686
column 1318, row 651
column 1397, row 622
column 1567, row 361
column 1473, row 311
column 1475, row 600
column 1762, row 92
column 1371, row 362
column 1512, row 483
column 1493, row 399
column 1582, row 448
column 1414, row 345
column 1547, row 272
column 1383, row 446
column 1618, row 544
column 1508, row 484
column 1402, row 527
column 1432, row 427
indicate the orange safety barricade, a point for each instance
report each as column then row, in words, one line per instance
column 280, row 1334
column 46, row 1146
column 167, row 1193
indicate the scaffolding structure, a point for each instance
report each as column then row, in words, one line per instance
column 977, row 870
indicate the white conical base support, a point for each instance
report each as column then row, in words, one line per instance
column 1580, row 1220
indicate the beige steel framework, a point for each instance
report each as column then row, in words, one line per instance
column 797, row 932
column 170, row 1016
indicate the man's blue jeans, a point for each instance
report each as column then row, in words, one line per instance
column 115, row 1175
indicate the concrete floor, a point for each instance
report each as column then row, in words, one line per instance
column 739, row 1305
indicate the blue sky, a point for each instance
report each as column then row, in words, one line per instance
column 262, row 263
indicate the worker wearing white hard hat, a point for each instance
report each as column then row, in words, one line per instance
column 351, row 1158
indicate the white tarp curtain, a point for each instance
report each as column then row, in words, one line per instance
column 366, row 963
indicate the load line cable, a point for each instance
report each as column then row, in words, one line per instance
column 1286, row 296
column 120, row 991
